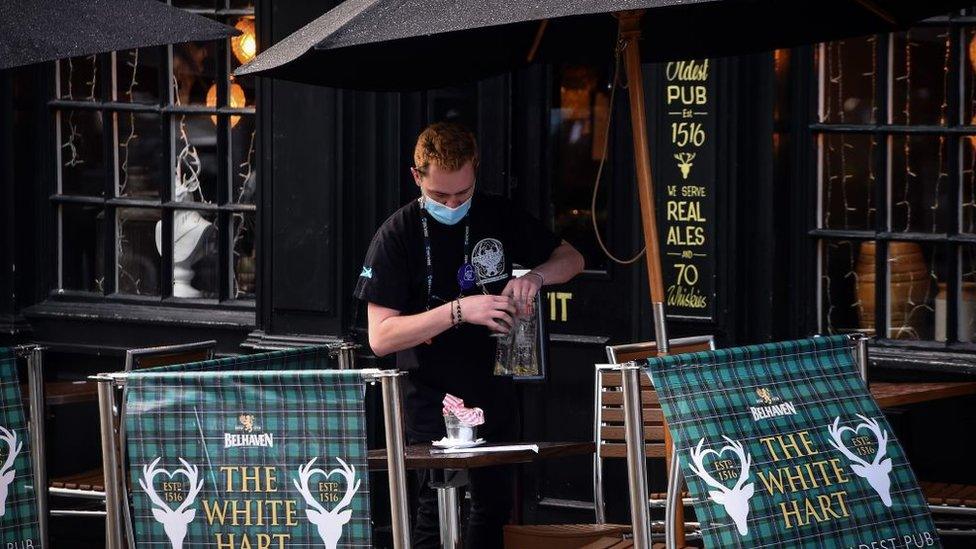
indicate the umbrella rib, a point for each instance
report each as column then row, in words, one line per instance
column 874, row 8
column 538, row 40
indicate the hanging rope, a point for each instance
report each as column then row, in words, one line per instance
column 621, row 44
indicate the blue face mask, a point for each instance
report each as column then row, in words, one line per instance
column 444, row 214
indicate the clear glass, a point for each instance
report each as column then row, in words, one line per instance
column 245, row 255
column 137, row 75
column 578, row 129
column 140, row 155
column 82, row 153
column 920, row 64
column 849, row 81
column 195, row 257
column 82, row 247
column 79, row 79
column 242, row 150
column 919, row 183
column 138, row 264
column 195, row 146
column 194, row 72
column 848, row 180
column 847, row 286
column 914, row 270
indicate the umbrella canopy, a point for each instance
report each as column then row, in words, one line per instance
column 32, row 31
column 415, row 44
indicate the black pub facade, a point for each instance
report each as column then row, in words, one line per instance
column 146, row 198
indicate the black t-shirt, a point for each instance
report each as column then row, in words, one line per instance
column 460, row 360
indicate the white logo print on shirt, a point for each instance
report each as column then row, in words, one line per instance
column 488, row 258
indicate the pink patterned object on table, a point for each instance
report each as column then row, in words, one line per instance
column 468, row 416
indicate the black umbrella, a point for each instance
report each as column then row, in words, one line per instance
column 32, row 31
column 414, row 44
column 386, row 44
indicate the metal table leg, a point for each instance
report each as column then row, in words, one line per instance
column 447, row 510
column 447, row 484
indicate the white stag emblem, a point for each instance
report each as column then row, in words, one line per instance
column 328, row 522
column 735, row 500
column 174, row 521
column 876, row 472
column 7, row 472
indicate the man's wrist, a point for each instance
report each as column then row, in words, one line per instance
column 542, row 279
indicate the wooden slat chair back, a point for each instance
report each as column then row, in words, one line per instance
column 168, row 355
column 609, row 437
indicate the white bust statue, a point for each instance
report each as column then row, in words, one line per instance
column 188, row 228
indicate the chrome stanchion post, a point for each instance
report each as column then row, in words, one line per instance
column 447, row 507
column 106, row 417
column 673, row 501
column 636, row 461
column 861, row 354
column 395, row 459
column 35, row 386
column 345, row 353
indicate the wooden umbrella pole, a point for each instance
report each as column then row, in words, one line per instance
column 630, row 33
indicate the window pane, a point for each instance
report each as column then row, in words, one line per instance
column 242, row 150
column 914, row 270
column 848, row 181
column 82, row 153
column 919, row 183
column 847, row 300
column 82, row 247
column 196, row 170
column 78, row 78
column 968, row 175
column 969, row 76
column 920, row 76
column 194, row 71
column 578, row 123
column 199, row 4
column 245, row 261
column 849, row 81
column 137, row 75
column 140, row 154
column 967, row 292
column 241, row 4
column 195, row 254
column 138, row 262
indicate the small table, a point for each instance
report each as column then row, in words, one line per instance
column 889, row 394
column 418, row 456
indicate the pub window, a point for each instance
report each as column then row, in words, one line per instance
column 577, row 132
column 896, row 178
column 155, row 180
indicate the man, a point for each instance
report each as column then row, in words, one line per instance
column 437, row 282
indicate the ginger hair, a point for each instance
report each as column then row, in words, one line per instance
column 447, row 144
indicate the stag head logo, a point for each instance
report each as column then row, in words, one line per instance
column 174, row 521
column 247, row 422
column 684, row 163
column 7, row 472
column 328, row 522
column 875, row 472
column 735, row 500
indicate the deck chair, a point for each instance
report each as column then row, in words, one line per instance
column 608, row 434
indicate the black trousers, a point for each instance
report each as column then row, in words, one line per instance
column 492, row 491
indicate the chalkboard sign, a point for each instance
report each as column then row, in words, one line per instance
column 685, row 188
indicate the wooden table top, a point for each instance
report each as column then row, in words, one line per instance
column 889, row 394
column 65, row 392
column 418, row 456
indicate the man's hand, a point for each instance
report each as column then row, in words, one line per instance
column 488, row 310
column 523, row 290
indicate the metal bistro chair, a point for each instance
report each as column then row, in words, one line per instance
column 151, row 357
column 608, row 417
column 608, row 435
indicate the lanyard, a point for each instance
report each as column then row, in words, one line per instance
column 430, row 263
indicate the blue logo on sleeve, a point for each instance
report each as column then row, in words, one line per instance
column 367, row 272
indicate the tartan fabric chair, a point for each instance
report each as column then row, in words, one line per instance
column 608, row 434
